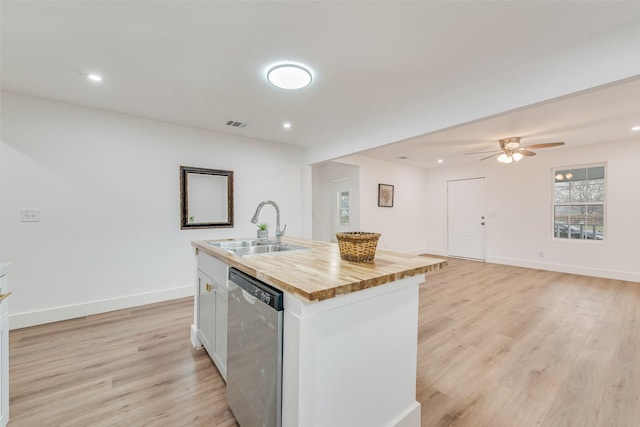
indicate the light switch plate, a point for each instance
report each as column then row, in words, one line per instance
column 30, row 215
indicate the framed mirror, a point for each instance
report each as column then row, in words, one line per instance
column 206, row 198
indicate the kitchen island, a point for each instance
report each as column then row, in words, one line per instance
column 349, row 332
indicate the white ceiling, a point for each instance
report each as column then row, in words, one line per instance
column 202, row 63
column 601, row 115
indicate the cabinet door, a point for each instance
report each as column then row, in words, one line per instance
column 206, row 312
column 212, row 309
column 222, row 309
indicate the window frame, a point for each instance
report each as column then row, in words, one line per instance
column 554, row 172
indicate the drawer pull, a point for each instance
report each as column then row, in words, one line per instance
column 3, row 296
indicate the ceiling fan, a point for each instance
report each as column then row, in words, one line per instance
column 511, row 150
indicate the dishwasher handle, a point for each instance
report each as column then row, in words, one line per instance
column 259, row 290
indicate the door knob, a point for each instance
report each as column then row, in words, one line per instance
column 482, row 223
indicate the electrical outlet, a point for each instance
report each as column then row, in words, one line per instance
column 30, row 215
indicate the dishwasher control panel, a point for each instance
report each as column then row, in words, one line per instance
column 263, row 296
column 257, row 289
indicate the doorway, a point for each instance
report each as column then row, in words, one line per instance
column 340, row 200
column 335, row 199
column 466, row 218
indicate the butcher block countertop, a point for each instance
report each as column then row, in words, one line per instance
column 319, row 273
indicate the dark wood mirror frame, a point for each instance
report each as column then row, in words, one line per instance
column 187, row 220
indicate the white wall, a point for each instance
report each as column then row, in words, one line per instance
column 107, row 186
column 402, row 227
column 519, row 221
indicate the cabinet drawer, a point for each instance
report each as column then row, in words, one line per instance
column 215, row 269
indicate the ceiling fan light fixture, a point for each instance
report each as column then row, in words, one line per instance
column 561, row 177
column 510, row 150
column 511, row 143
column 505, row 158
column 289, row 76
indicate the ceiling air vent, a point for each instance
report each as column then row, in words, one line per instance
column 235, row 124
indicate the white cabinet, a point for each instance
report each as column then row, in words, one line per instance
column 212, row 308
column 206, row 311
column 4, row 345
column 221, row 313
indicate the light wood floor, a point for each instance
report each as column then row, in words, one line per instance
column 498, row 346
column 507, row 346
column 125, row 368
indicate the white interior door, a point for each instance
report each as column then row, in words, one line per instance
column 466, row 218
column 340, row 194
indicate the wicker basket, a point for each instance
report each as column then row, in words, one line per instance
column 357, row 246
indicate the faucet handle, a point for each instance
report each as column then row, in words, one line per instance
column 281, row 232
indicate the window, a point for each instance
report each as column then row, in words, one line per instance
column 579, row 202
column 343, row 206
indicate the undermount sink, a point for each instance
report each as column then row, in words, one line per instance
column 255, row 247
column 230, row 244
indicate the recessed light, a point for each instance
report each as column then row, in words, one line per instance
column 286, row 125
column 94, row 77
column 635, row 128
column 289, row 76
column 440, row 161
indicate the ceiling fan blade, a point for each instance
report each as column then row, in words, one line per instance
column 493, row 155
column 484, row 152
column 546, row 145
column 525, row 152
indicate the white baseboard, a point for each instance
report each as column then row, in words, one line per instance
column 628, row 276
column 33, row 318
column 195, row 341
column 572, row 269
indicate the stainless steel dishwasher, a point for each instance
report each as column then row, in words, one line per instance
column 254, row 351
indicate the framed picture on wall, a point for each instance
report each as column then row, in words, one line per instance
column 385, row 195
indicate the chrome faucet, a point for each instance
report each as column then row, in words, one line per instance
column 279, row 233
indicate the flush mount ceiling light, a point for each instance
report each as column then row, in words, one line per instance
column 289, row 76
column 94, row 77
column 286, row 125
column 635, row 128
